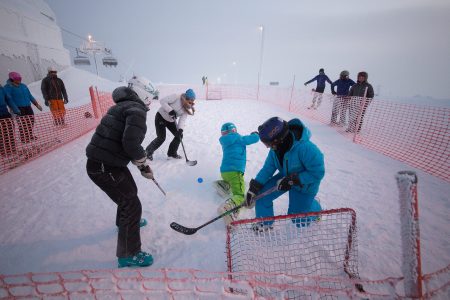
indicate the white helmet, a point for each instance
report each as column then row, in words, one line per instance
column 144, row 88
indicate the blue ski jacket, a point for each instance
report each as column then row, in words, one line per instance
column 304, row 158
column 343, row 86
column 321, row 79
column 234, row 147
column 20, row 95
column 6, row 101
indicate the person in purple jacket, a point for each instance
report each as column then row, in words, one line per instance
column 321, row 79
column 341, row 102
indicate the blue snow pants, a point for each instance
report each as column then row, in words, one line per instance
column 298, row 203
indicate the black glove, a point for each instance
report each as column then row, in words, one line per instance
column 144, row 167
column 66, row 101
column 286, row 183
column 333, row 92
column 173, row 114
column 253, row 190
column 255, row 132
column 46, row 103
column 180, row 133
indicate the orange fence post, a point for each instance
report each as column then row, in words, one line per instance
column 93, row 101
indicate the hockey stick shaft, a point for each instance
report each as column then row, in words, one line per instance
column 189, row 162
column 189, row 231
column 159, row 187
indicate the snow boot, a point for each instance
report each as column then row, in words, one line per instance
column 260, row 227
column 141, row 259
column 223, row 188
column 228, row 205
column 176, row 156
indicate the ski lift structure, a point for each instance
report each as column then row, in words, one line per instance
column 81, row 60
column 92, row 47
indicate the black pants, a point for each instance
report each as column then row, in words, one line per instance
column 7, row 141
column 26, row 123
column 161, row 124
column 119, row 185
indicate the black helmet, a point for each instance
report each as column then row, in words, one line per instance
column 273, row 131
column 345, row 73
column 124, row 93
column 321, row 70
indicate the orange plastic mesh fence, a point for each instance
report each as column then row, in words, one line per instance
column 148, row 283
column 27, row 137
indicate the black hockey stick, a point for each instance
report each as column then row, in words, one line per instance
column 189, row 162
column 159, row 187
column 190, row 231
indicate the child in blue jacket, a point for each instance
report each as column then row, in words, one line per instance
column 232, row 168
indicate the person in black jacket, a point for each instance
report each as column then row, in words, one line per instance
column 361, row 95
column 55, row 95
column 117, row 141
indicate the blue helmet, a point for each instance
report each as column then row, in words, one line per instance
column 190, row 95
column 273, row 131
column 228, row 128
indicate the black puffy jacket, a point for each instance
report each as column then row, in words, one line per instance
column 118, row 137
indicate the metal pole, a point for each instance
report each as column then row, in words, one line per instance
column 260, row 59
column 95, row 60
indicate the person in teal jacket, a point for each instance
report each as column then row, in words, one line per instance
column 7, row 142
column 22, row 98
column 233, row 164
column 300, row 166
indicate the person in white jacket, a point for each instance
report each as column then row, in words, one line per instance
column 173, row 107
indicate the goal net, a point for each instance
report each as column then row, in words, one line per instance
column 315, row 244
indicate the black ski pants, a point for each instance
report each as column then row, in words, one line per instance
column 161, row 124
column 119, row 185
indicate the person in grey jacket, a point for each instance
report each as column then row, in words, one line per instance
column 117, row 141
column 172, row 107
column 361, row 95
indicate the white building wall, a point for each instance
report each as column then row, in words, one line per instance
column 30, row 40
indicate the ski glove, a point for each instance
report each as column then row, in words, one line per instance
column 144, row 167
column 255, row 132
column 46, row 103
column 66, row 101
column 253, row 190
column 286, row 183
column 180, row 133
column 173, row 114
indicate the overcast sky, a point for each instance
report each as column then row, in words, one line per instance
column 404, row 45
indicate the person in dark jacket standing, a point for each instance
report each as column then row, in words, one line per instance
column 117, row 141
column 7, row 141
column 342, row 100
column 55, row 95
column 318, row 91
column 361, row 95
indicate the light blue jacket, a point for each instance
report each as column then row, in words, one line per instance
column 234, row 151
column 20, row 95
column 5, row 101
column 304, row 158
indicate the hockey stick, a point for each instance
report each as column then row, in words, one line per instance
column 159, row 187
column 190, row 231
column 189, row 162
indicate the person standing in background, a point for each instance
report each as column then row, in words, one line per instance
column 342, row 100
column 22, row 98
column 361, row 95
column 318, row 92
column 7, row 142
column 55, row 95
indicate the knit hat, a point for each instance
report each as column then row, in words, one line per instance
column 14, row 76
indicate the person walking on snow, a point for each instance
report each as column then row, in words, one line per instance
column 300, row 166
column 361, row 95
column 117, row 141
column 55, row 95
column 22, row 98
column 232, row 168
column 321, row 82
column 342, row 100
column 172, row 107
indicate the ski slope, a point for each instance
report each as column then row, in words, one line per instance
column 53, row 218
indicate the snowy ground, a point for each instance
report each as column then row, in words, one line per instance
column 53, row 218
